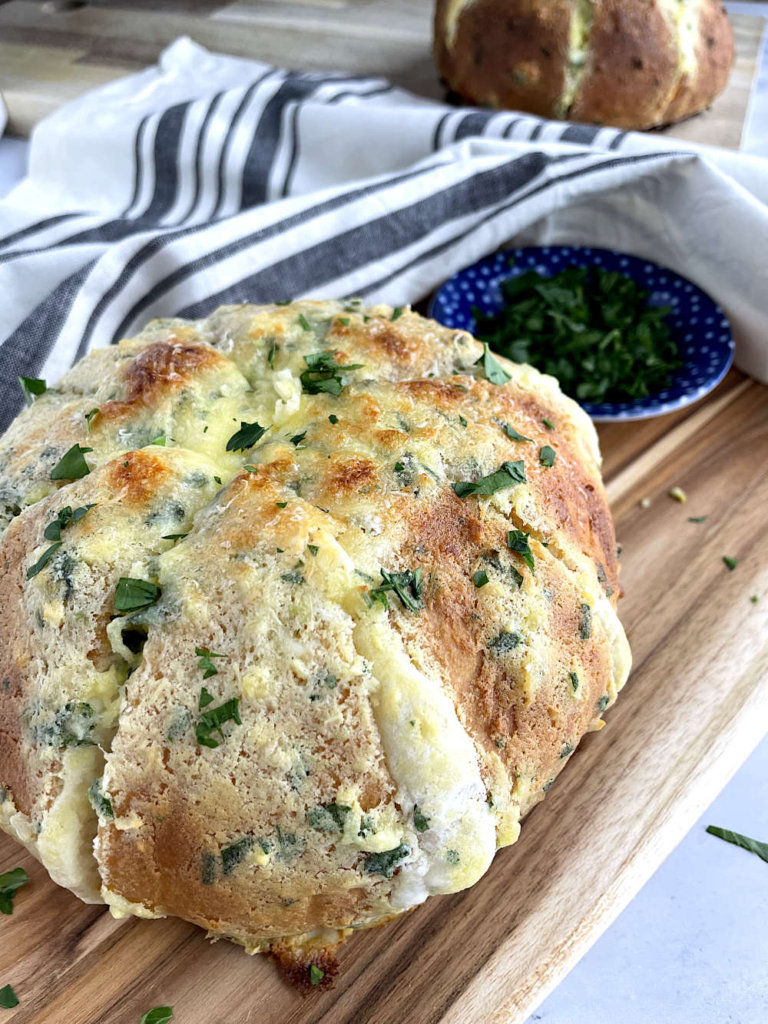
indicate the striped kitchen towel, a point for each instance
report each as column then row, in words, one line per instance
column 210, row 180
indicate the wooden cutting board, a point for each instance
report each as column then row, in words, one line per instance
column 694, row 708
column 55, row 50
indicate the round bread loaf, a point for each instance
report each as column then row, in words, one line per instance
column 301, row 614
column 634, row 64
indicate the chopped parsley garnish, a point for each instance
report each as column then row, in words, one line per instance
column 592, row 328
column 53, row 532
column 333, row 418
column 10, row 883
column 160, row 1015
column 752, row 845
column 585, row 622
column 480, row 578
column 307, row 326
column 328, row 817
column 246, row 437
column 323, row 373
column 174, row 536
column 344, row 320
column 407, row 585
column 518, row 541
column 603, row 703
column 508, row 475
column 513, row 434
column 312, row 548
column 294, row 575
column 217, row 480
column 298, row 438
column 397, row 312
column 573, row 676
column 696, row 519
column 235, row 854
column 206, row 698
column 566, row 750
column 271, row 354
column 281, row 504
column 420, row 820
column 206, row 662
column 492, row 368
column 8, row 998
column 32, row 387
column 132, row 595
column 88, row 417
column 730, row 562
column 99, row 801
column 504, row 641
column 316, row 974
column 462, row 421
column 213, row 720
column 72, row 465
column 159, row 440
column 284, row 302
column 754, row 599
column 547, row 456
column 548, row 424
column 385, row 863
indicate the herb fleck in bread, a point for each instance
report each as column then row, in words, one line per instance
column 291, row 681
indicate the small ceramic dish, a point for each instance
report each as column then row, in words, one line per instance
column 697, row 323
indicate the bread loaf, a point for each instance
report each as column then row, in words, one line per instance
column 634, row 64
column 298, row 622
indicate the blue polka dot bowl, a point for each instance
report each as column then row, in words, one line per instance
column 698, row 325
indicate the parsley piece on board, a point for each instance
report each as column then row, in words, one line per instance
column 592, row 328
column 731, row 563
column 246, row 437
column 8, row 998
column 160, row 1015
column 518, row 541
column 316, row 974
column 752, row 845
column 132, row 595
column 323, row 373
column 697, row 519
column 407, row 585
column 509, row 474
column 492, row 368
column 32, row 387
column 72, row 464
column 213, row 719
column 385, row 863
column 10, row 883
column 206, row 663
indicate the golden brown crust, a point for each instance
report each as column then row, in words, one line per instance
column 634, row 64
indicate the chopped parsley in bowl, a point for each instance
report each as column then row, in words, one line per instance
column 625, row 337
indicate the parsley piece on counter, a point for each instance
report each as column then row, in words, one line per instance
column 72, row 465
column 316, row 974
column 547, row 456
column 53, row 532
column 509, row 474
column 752, row 845
column 328, row 817
column 10, row 883
column 397, row 312
column 420, row 820
column 132, row 595
column 99, row 801
column 206, row 663
column 8, row 998
column 697, row 519
column 333, row 419
column 513, row 434
column 32, row 387
column 518, row 541
column 307, row 326
column 386, row 863
column 548, row 424
column 214, row 719
column 730, row 562
column 160, row 1015
column 585, row 622
column 492, row 368
column 480, row 578
column 246, row 437
column 591, row 328
column 323, row 373
column 88, row 417
column 206, row 698
column 407, row 585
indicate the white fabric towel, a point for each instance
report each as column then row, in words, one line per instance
column 210, row 180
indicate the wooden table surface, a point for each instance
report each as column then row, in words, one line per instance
column 54, row 50
column 695, row 706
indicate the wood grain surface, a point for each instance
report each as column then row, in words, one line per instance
column 695, row 706
column 54, row 50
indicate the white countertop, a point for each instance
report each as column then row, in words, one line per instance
column 692, row 948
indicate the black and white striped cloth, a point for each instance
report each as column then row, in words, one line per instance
column 210, row 180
